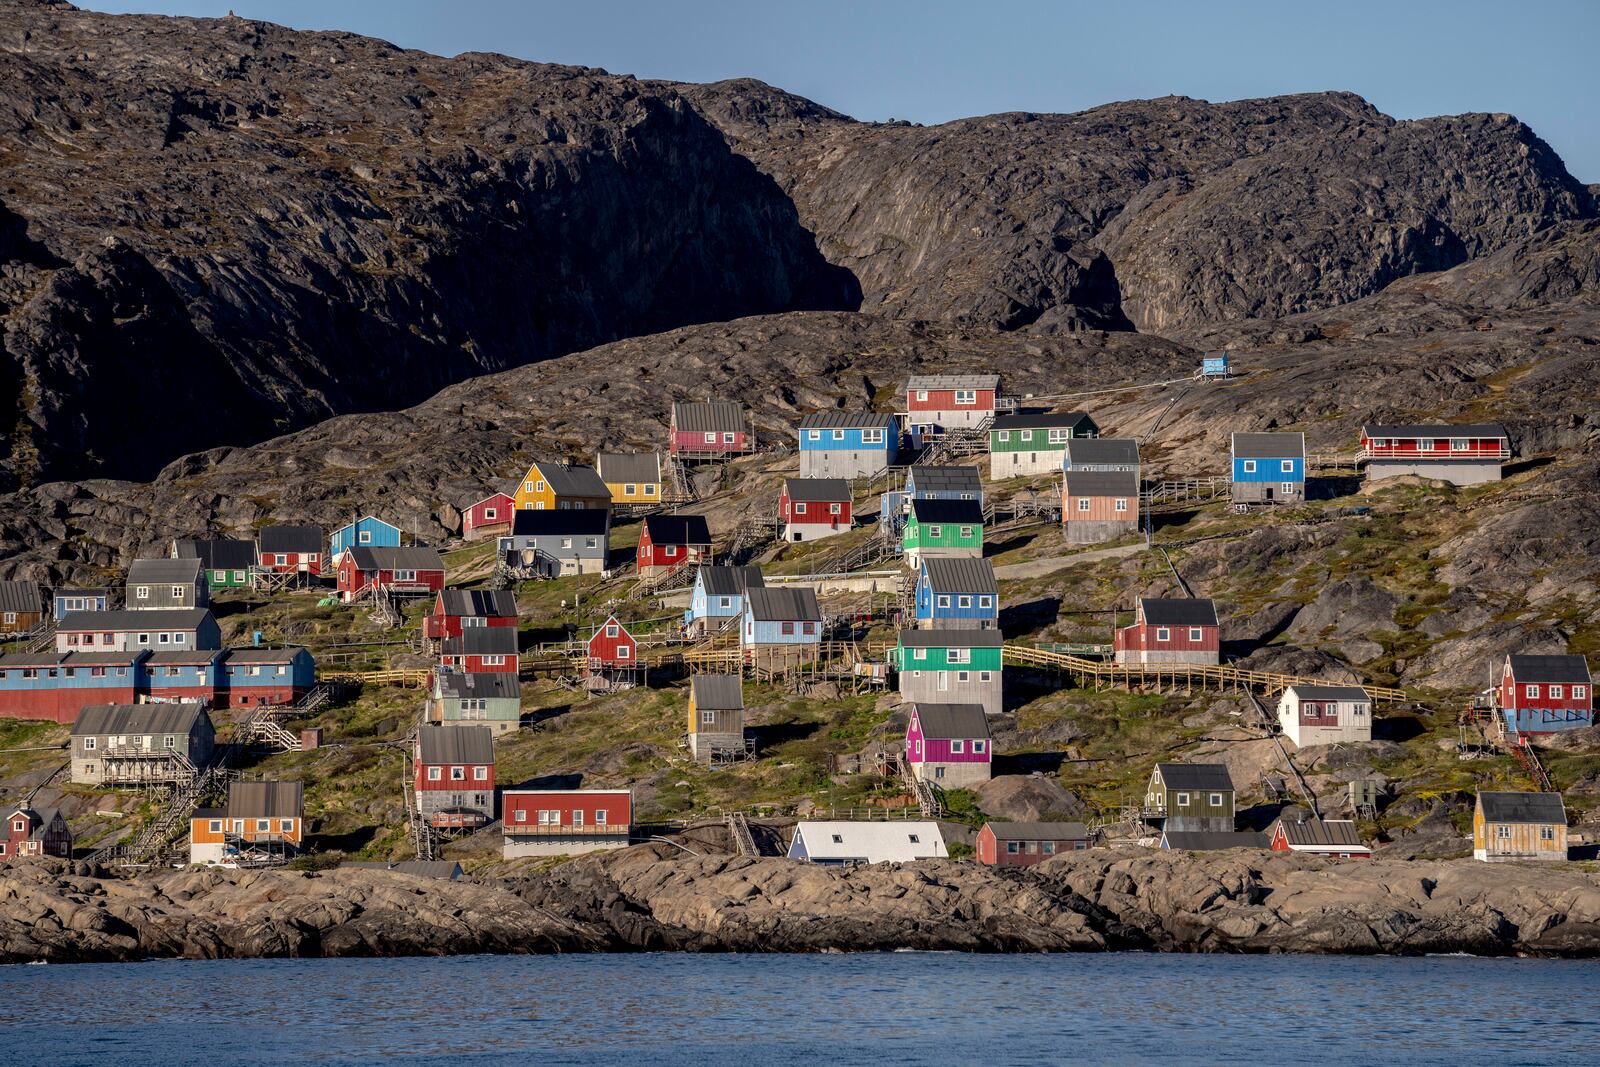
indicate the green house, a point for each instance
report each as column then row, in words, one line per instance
column 949, row 529
column 950, row 667
column 1034, row 444
column 226, row 563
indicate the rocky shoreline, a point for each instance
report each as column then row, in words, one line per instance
column 644, row 900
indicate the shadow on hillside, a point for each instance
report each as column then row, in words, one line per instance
column 1523, row 466
column 354, row 841
column 543, row 715
column 1400, row 728
column 1000, row 548
column 776, row 733
column 1028, row 763
column 1332, row 487
column 1029, row 615
column 571, row 780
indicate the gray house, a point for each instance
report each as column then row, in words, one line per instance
column 556, row 543
column 165, row 584
column 716, row 716
column 492, row 698
column 134, row 744
column 175, row 629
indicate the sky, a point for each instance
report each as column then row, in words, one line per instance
column 938, row 60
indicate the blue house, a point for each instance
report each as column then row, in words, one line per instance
column 834, row 444
column 718, row 598
column 957, row 594
column 368, row 532
column 780, row 624
column 67, row 601
column 188, row 675
column 931, row 483
column 1269, row 468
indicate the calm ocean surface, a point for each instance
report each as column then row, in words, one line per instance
column 763, row 1010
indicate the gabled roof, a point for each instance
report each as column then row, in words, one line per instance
column 483, row 641
column 960, row 575
column 369, row 558
column 265, row 800
column 721, row 416
column 717, row 692
column 1175, row 611
column 962, row 512
column 818, row 490
column 1330, row 692
column 485, row 685
column 1048, row 420
column 953, row 381
column 947, row 638
column 164, row 571
column 1338, row 832
column 1212, row 840
column 353, row 524
column 561, row 522
column 783, row 605
column 289, row 539
column 479, row 603
column 59, row 593
column 449, row 870
column 1561, row 670
column 20, row 595
column 678, row 529
column 1528, row 808
column 1102, row 451
column 123, row 619
column 455, row 744
column 1196, row 776
column 1480, row 429
column 218, row 554
column 945, row 722
column 1123, row 483
column 175, row 718
column 570, row 479
column 1269, row 445
column 844, row 420
column 624, row 468
column 730, row 581
column 872, row 842
column 1038, row 831
column 960, row 479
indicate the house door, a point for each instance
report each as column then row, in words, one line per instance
column 944, row 681
column 796, row 535
column 1268, row 491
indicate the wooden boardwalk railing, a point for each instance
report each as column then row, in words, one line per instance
column 410, row 677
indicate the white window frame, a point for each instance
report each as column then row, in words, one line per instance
column 1216, row 800
column 1003, row 435
column 872, row 437
column 1249, row 466
column 1557, row 692
column 1122, row 503
column 435, row 774
column 838, row 435
column 966, row 397
column 1531, row 692
column 1180, row 800
column 944, row 600
column 1287, row 488
column 1196, row 633
column 1287, row 466
column 1163, row 633
column 957, row 747
column 1083, row 503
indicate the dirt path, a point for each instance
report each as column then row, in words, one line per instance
column 1037, row 568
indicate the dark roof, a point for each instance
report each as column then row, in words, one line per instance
column 1211, row 840
column 53, row 658
column 619, row 468
column 1481, row 429
column 209, row 813
column 1102, row 483
column 1189, row 611
column 265, row 800
column 265, row 655
column 177, row 718
column 1039, row 831
column 489, row 685
column 1329, row 692
column 717, row 415
column 1558, row 669
column 946, row 638
column 123, row 619
column 963, row 575
column 163, row 571
column 289, row 538
column 1195, row 776
column 455, row 744
column 20, row 595
column 963, row 512
column 483, row 641
column 1321, row 832
column 1042, row 420
column 718, row 692
column 826, row 490
column 678, row 529
column 561, row 522
column 370, row 558
column 571, row 479
column 945, row 479
column 731, row 581
column 218, row 554
column 480, row 603
column 1269, row 445
column 449, row 870
column 844, row 420
column 1523, row 807
column 190, row 658
column 941, row 722
column 1103, row 451
column 783, row 605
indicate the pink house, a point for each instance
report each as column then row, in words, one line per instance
column 948, row 744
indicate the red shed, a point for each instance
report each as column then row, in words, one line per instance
column 409, row 571
column 488, row 516
column 1022, row 844
column 455, row 610
column 612, row 646
column 668, row 542
column 1171, row 631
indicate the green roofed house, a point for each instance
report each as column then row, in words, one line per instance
column 1034, row 444
column 226, row 563
column 950, row 667
column 943, row 529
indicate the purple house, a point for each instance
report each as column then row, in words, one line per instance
column 948, row 744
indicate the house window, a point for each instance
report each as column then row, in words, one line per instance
column 922, row 394
column 838, row 435
column 1287, row 466
column 1058, row 436
column 800, row 509
column 1546, row 833
column 1194, row 633
column 601, row 818
column 964, row 602
column 872, row 437
column 1163, row 634
column 1181, row 800
column 915, row 840
column 935, row 531
column 624, row 652
column 726, row 601
column 169, row 742
column 919, row 653
column 1004, row 435
column 960, row 655
column 364, row 537
column 611, row 629
column 577, row 817
column 1216, row 800
column 179, row 639
column 1458, row 444
column 938, row 772
column 813, row 435
column 707, row 718
column 630, row 489
column 957, row 746
column 1013, row 847
column 836, row 509
column 727, row 438
column 978, row 746
column 1530, row 691
column 263, row 825
column 141, row 592
column 1287, row 488
column 522, row 815
column 788, row 627
column 494, row 661
column 488, row 513
column 837, row 839
column 1249, row 466
column 405, row 576
column 966, row 396
column 649, row 490
column 1083, row 503
column 286, row 825
column 1122, row 503
column 1502, row 832
column 1025, row 435
column 944, row 600
column 458, row 774
column 215, row 826
column 434, row 774
column 966, row 532
column 1580, row 692
column 538, row 487
column 808, row 627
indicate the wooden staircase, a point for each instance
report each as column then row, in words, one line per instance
column 744, row 842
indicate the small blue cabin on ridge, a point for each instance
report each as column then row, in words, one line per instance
column 718, row 597
column 957, row 594
column 1269, row 468
column 930, row 483
column 367, row 532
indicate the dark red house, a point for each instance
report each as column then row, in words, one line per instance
column 401, row 571
column 810, row 508
column 612, row 647
column 1171, row 631
column 711, row 428
column 35, row 833
column 290, row 550
column 482, row 650
column 455, row 610
column 453, row 775
column 1546, row 694
column 1022, row 844
column 668, row 542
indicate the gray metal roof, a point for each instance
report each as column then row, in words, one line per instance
column 99, row 719
column 561, row 522
column 620, row 468
column 388, row 558
column 1212, row 840
column 964, row 512
column 485, row 685
column 961, row 479
column 1321, row 832
column 943, row 722
column 720, row 416
column 572, row 479
column 448, row 870
column 265, row 800
column 844, row 420
column 731, row 581
column 1102, row 452
column 783, row 605
column 1330, row 692
column 81, row 592
column 265, row 655
column 1561, row 670
column 1523, row 807
column 961, row 575
column 1269, row 445
column 678, row 529
column 953, row 381
column 164, row 571
column 480, row 603
column 123, row 619
column 1039, row 831
column 20, row 595
column 818, row 490
column 191, row 658
column 1189, row 611
column 718, row 692
column 53, row 658
column 1102, row 483
column 217, row 554
column 944, row 638
column 483, row 641
column 1409, row 430
column 455, row 744
column 1047, row 420
column 1196, row 776
column 289, row 539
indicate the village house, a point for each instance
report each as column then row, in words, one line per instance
column 367, row 531
column 943, row 529
column 716, row 717
column 166, row 585
column 1334, row 838
column 1099, row 505
column 669, row 543
column 1325, row 714
column 717, row 599
column 482, row 649
column 1022, row 844
column 780, row 625
column 1212, row 840
column 1460, row 455
column 291, row 550
column 1269, row 468
column 555, row 544
column 1169, row 631
column 709, row 429
column 939, row 403
column 957, row 594
column 264, row 676
column 487, row 517
column 190, row 675
column 226, row 562
column 34, row 833
column 1191, row 797
column 136, row 744
column 399, row 572
column 455, row 610
column 493, row 698
column 1101, row 454
column 1545, row 694
column 123, row 630
column 613, row 657
column 453, row 776
column 950, row 667
column 55, row 686
column 549, row 485
column 813, row 508
column 835, row 844
column 930, row 483
column 837, row 444
column 68, row 601
column 564, row 822
column 1027, row 444
column 633, row 478
column 21, row 607
column 948, row 745
column 1519, row 826
column 263, row 824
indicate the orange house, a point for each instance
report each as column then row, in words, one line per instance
column 262, row 824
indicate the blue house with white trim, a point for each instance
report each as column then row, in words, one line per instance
column 957, row 594
column 718, row 598
column 836, row 444
column 930, row 483
column 1269, row 468
column 367, row 532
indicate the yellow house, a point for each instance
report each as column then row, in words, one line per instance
column 632, row 477
column 555, row 486
column 1519, row 826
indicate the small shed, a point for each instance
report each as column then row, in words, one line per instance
column 1519, row 826
column 1022, row 844
column 836, row 844
column 716, row 717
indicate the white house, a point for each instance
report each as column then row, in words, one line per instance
column 1325, row 714
column 838, row 843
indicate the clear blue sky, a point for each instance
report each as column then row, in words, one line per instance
column 939, row 60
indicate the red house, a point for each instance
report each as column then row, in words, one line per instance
column 712, row 429
column 938, row 403
column 35, row 833
column 401, row 571
column 1335, row 838
column 1171, row 631
column 810, row 508
column 488, row 516
column 553, row 822
column 1546, row 694
column 1022, row 844
column 455, row 610
column 453, row 775
column 290, row 550
column 482, row 650
column 1462, row 455
column 670, row 542
column 612, row 647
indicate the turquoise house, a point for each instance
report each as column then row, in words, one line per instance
column 366, row 532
